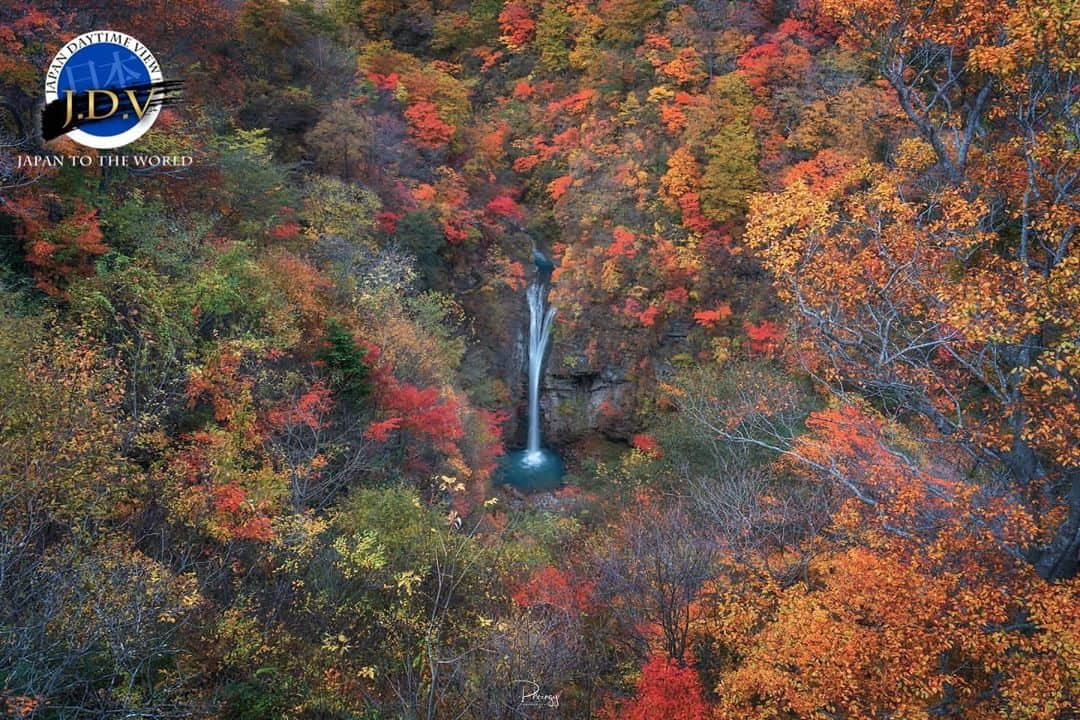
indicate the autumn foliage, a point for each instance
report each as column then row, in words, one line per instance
column 666, row 691
column 814, row 372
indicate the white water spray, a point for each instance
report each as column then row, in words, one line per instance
column 539, row 335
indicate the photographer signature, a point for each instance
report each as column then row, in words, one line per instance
column 531, row 695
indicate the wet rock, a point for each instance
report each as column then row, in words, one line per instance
column 575, row 405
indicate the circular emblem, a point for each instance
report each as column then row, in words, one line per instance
column 106, row 81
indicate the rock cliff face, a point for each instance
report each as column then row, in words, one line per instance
column 573, row 403
column 577, row 404
column 596, row 400
column 579, row 399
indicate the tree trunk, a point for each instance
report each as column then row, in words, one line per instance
column 1061, row 558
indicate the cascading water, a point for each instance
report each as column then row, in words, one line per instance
column 539, row 336
column 536, row 467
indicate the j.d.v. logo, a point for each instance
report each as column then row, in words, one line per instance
column 104, row 89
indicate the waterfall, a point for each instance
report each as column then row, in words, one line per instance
column 535, row 467
column 539, row 335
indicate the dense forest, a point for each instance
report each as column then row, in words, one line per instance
column 815, row 372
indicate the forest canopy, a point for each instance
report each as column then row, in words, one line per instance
column 815, row 372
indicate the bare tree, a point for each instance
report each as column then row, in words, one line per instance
column 652, row 573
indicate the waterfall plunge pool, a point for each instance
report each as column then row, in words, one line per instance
column 530, row 470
